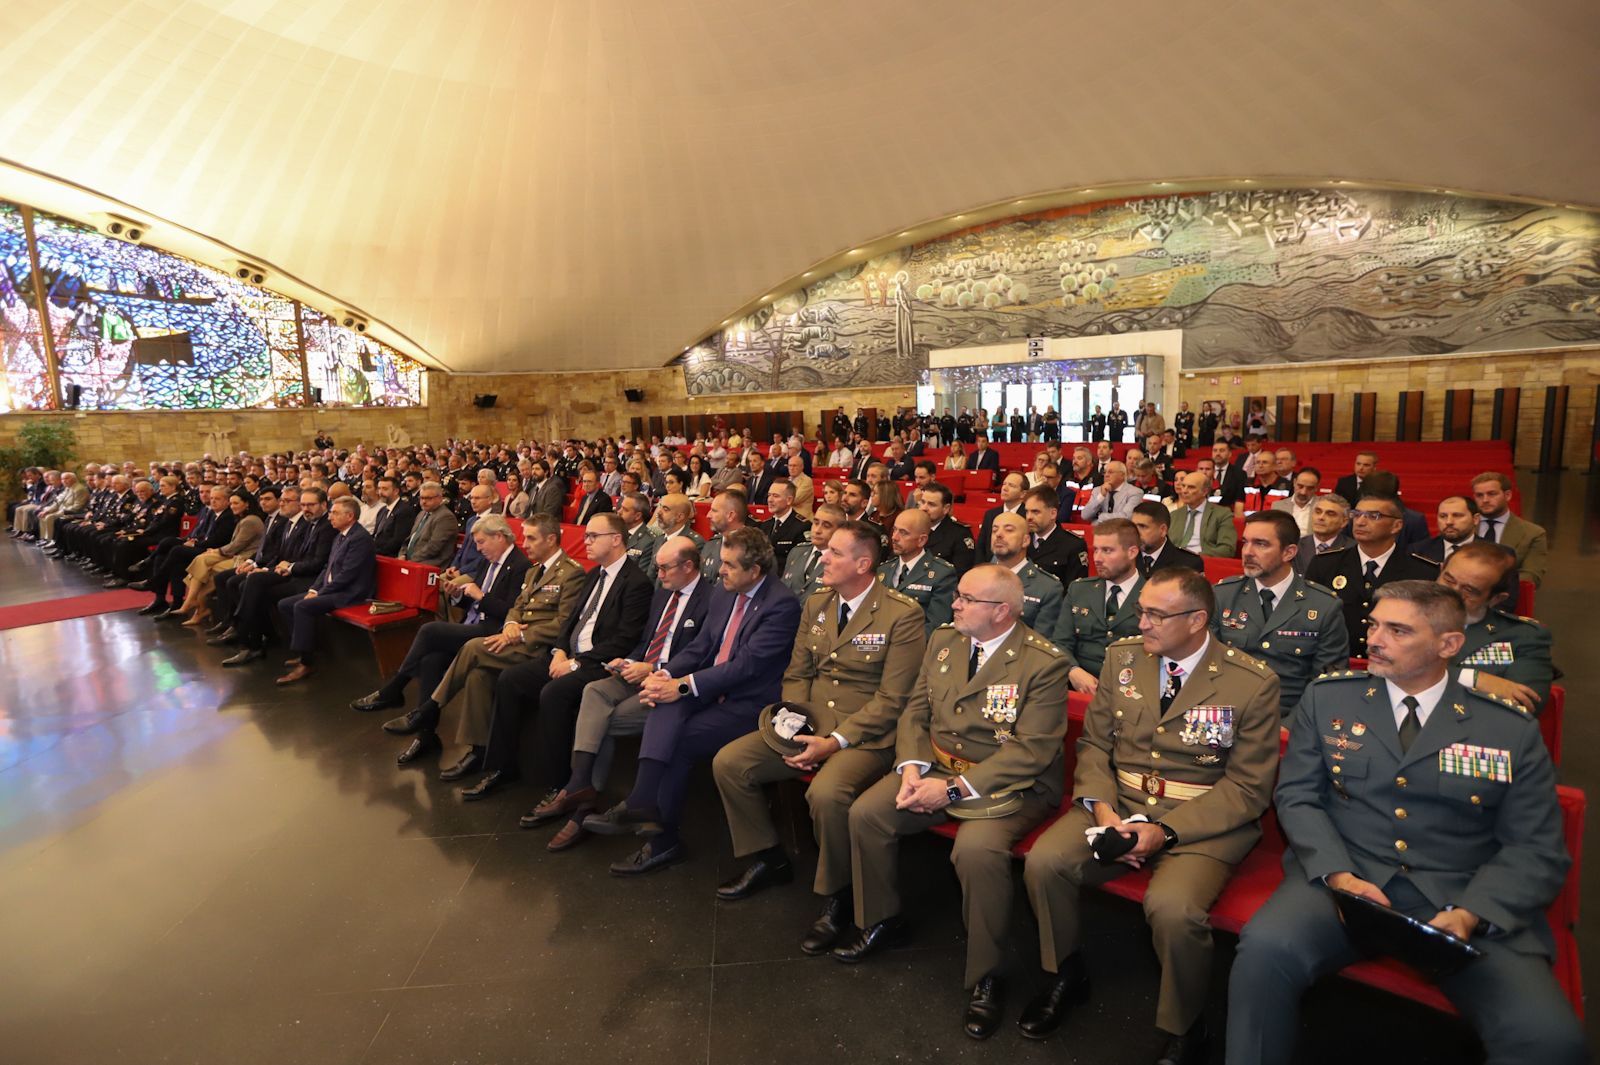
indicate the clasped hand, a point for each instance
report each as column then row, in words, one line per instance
column 1150, row 839
column 920, row 794
column 658, row 688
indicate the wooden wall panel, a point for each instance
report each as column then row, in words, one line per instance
column 1287, row 411
column 1408, row 417
column 1364, row 416
column 1322, row 417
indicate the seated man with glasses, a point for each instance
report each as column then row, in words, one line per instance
column 1356, row 573
column 1175, row 769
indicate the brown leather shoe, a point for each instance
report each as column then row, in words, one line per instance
column 570, row 836
column 300, row 672
column 562, row 805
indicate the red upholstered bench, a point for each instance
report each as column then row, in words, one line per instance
column 187, row 523
column 1220, row 568
column 410, row 583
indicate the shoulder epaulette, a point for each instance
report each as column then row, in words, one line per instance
column 1345, row 674
column 1128, row 639
column 1424, row 558
column 1043, row 644
column 946, row 625
column 1235, row 578
column 1519, row 617
column 1502, row 702
column 1240, row 658
column 1323, row 588
column 895, row 593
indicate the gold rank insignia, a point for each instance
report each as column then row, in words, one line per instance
column 1339, row 582
column 1311, row 615
column 944, row 653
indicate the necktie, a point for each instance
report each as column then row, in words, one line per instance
column 905, row 574
column 731, row 633
column 381, row 520
column 811, row 565
column 1372, row 569
column 488, row 582
column 1145, row 562
column 1488, row 529
column 844, row 615
column 1174, row 684
column 1267, row 599
column 1192, row 529
column 1411, row 725
column 1113, row 600
column 595, row 599
column 416, row 534
column 658, row 642
column 976, row 661
column 1323, row 548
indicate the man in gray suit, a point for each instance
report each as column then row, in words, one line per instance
column 71, row 503
column 433, row 535
column 1330, row 517
column 1405, row 788
column 549, row 495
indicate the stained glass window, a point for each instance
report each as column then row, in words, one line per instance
column 24, row 381
column 353, row 368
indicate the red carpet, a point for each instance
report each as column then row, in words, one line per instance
column 77, row 606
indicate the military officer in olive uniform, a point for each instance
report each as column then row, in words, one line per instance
column 1100, row 609
column 854, row 663
column 1041, row 593
column 1404, row 787
column 802, row 573
column 550, row 592
column 1274, row 614
column 642, row 541
column 1179, row 749
column 1504, row 654
column 980, row 741
column 917, row 572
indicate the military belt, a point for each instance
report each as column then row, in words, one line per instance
column 949, row 762
column 1157, row 786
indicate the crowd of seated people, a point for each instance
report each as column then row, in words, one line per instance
column 913, row 669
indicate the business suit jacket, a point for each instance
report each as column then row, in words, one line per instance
column 549, row 498
column 987, row 459
column 1170, row 555
column 435, row 538
column 863, row 672
column 1345, row 573
column 467, row 555
column 1230, row 485
column 497, row 600
column 760, row 485
column 352, row 567
column 311, row 548
column 690, row 621
column 617, row 621
column 1432, row 549
column 752, row 677
column 1529, row 542
column 1218, row 537
column 986, row 530
column 1493, row 847
column 1346, row 487
column 392, row 525
column 590, row 505
column 1308, row 550
column 270, row 549
column 858, row 465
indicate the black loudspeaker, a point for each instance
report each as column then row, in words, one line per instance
column 635, row 395
column 316, row 395
column 74, row 396
column 487, row 399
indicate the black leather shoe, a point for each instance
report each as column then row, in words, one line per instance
column 865, row 942
column 140, row 586
column 758, row 877
column 249, row 654
column 1046, row 1012
column 468, row 765
column 829, row 926
column 422, row 744
column 489, row 783
column 223, row 639
column 118, row 582
column 220, row 627
column 985, row 1008
column 139, row 566
column 376, row 701
column 157, row 607
column 1189, row 1048
column 172, row 614
column 646, row 860
column 412, row 723
column 621, row 821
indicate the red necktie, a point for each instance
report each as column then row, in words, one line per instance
column 732, row 633
column 652, row 654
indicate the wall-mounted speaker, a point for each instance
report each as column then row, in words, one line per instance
column 249, row 272
column 74, row 397
column 485, row 400
column 123, row 228
column 635, row 395
column 316, row 394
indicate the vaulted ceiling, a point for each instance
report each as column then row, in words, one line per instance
column 594, row 184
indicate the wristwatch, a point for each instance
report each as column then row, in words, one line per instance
column 683, row 687
column 953, row 792
column 1172, row 837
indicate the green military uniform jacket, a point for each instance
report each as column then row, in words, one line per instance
column 794, row 571
column 1083, row 631
column 1041, row 598
column 1221, row 731
column 1305, row 636
column 641, row 546
column 931, row 582
column 1513, row 647
column 544, row 604
column 864, row 673
column 1008, row 721
column 1468, row 813
column 711, row 557
column 662, row 535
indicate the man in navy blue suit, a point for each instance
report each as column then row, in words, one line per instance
column 983, row 458
column 708, row 694
column 347, row 578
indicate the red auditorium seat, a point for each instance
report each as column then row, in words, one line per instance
column 411, row 584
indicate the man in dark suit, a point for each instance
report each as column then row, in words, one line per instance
column 1012, row 490
column 432, row 540
column 396, row 514
column 1353, row 485
column 549, row 495
column 284, row 515
column 1458, row 527
column 709, row 693
column 347, row 578
column 615, row 598
column 493, row 581
column 947, row 538
column 982, row 458
column 762, row 476
column 306, row 546
column 592, row 501
column 214, row 530
column 611, row 707
column 1060, row 553
column 1156, row 552
column 863, row 459
column 1356, row 573
column 1227, row 478
column 785, row 528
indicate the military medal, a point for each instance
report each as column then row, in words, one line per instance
column 944, row 653
column 1339, row 582
column 1207, row 759
column 1358, row 729
column 1311, row 615
column 1003, row 735
column 1125, row 677
column 1338, row 723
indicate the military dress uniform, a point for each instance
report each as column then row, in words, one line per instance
column 1001, row 730
column 952, row 541
column 1062, row 554
column 931, row 583
column 1041, row 598
column 641, row 545
column 549, row 594
column 1345, row 573
column 1466, row 815
column 1203, row 768
column 802, row 573
column 711, row 558
column 863, row 673
column 786, row 535
column 1083, row 631
column 1303, row 637
column 1513, row 647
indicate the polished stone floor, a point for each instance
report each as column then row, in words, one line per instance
column 198, row 867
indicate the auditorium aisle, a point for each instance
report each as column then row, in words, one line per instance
column 198, row 867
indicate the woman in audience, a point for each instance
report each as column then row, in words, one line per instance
column 957, row 459
column 699, row 486
column 1035, row 478
column 203, row 570
column 885, row 504
column 833, row 492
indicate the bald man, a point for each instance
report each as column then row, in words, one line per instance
column 916, row 572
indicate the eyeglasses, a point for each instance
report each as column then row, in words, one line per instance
column 1156, row 617
column 963, row 597
column 1373, row 515
column 589, row 536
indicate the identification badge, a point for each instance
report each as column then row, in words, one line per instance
column 1480, row 763
column 1211, row 726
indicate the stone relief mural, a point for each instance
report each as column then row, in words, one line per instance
column 1250, row 276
